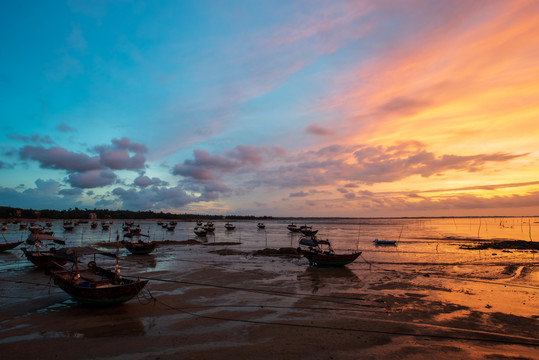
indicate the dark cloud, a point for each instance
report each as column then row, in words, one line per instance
column 43, row 196
column 299, row 194
column 65, row 128
column 92, row 179
column 145, row 181
column 70, row 192
column 90, row 172
column 117, row 156
column 154, row 198
column 36, row 138
column 372, row 164
column 205, row 166
column 379, row 164
column 126, row 144
column 60, row 158
column 318, row 130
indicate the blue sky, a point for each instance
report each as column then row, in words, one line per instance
column 284, row 108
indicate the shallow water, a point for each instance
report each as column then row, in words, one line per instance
column 419, row 241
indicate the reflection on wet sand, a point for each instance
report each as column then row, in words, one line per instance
column 424, row 295
column 331, row 278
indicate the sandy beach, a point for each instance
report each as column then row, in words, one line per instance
column 226, row 302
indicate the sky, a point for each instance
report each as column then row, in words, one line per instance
column 271, row 108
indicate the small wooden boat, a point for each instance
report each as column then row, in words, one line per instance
column 261, row 225
column 200, row 231
column 229, row 226
column 94, row 285
column 209, row 227
column 384, row 242
column 293, row 228
column 105, row 226
column 139, row 247
column 9, row 245
column 134, row 229
column 68, row 226
column 320, row 252
column 308, row 230
column 45, row 258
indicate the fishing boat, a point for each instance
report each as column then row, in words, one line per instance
column 68, row 226
column 209, row 227
column 139, row 247
column 308, row 230
column 9, row 245
column 229, row 226
column 134, row 229
column 42, row 258
column 320, row 252
column 293, row 228
column 200, row 231
column 94, row 285
column 384, row 242
column 261, row 225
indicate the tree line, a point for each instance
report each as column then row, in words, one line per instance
column 7, row 212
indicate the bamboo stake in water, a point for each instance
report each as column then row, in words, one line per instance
column 479, row 229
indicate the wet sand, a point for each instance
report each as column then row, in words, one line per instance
column 213, row 302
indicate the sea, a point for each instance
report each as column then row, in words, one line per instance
column 418, row 240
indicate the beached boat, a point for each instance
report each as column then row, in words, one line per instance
column 320, row 252
column 9, row 245
column 209, row 227
column 229, row 226
column 308, row 230
column 139, row 247
column 261, row 225
column 42, row 258
column 384, row 242
column 293, row 228
column 200, row 231
column 94, row 285
column 134, row 229
column 68, row 226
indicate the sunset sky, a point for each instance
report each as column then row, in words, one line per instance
column 278, row 108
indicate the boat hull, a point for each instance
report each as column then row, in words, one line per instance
column 319, row 259
column 44, row 259
column 385, row 242
column 92, row 294
column 140, row 249
column 9, row 246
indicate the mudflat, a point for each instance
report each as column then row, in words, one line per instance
column 221, row 302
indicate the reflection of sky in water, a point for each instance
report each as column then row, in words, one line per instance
column 428, row 258
column 433, row 241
